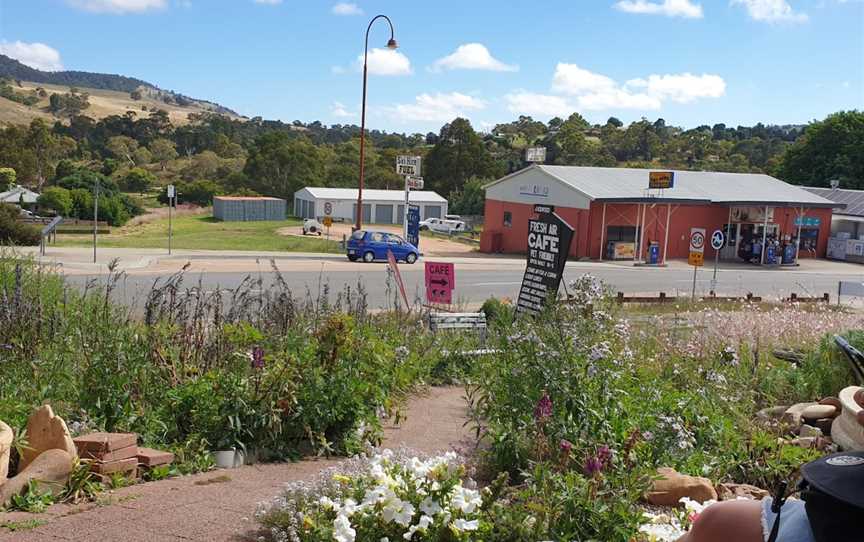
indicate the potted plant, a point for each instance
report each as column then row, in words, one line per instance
column 231, row 451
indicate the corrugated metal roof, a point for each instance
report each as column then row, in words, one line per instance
column 617, row 184
column 246, row 198
column 14, row 195
column 853, row 199
column 424, row 196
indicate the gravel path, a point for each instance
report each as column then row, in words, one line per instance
column 219, row 505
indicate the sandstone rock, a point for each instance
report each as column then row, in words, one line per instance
column 846, row 431
column 45, row 431
column 153, row 458
column 672, row 486
column 728, row 492
column 809, row 431
column 816, row 412
column 771, row 413
column 792, row 417
column 50, row 471
column 831, row 401
column 6, row 437
column 805, row 442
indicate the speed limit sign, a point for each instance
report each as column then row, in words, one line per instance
column 697, row 240
column 328, row 208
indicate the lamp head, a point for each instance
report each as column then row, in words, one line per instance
column 391, row 44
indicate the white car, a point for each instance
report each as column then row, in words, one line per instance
column 442, row 225
column 310, row 225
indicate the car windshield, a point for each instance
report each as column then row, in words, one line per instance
column 358, row 235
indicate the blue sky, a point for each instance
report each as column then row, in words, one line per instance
column 691, row 62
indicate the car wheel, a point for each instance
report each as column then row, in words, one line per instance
column 424, row 228
column 369, row 257
column 312, row 229
column 352, row 258
column 411, row 257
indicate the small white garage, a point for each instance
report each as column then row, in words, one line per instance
column 379, row 206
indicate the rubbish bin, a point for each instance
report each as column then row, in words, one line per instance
column 654, row 253
column 610, row 250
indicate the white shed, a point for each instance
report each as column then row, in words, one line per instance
column 379, row 206
column 17, row 195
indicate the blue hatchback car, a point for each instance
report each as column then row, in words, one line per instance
column 373, row 245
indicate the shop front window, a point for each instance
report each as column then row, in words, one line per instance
column 508, row 219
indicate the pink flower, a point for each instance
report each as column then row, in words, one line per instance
column 543, row 410
column 566, row 446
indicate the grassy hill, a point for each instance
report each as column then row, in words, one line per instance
column 109, row 94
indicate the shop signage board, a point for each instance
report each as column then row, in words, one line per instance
column 440, row 282
column 807, row 221
column 414, row 182
column 661, row 180
column 328, row 208
column 413, row 236
column 394, row 267
column 549, row 238
column 535, row 154
column 408, row 165
column 752, row 215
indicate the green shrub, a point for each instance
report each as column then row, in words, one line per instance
column 56, row 199
column 13, row 232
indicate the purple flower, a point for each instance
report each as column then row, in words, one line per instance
column 257, row 358
column 592, row 466
column 604, row 454
column 566, row 446
column 543, row 410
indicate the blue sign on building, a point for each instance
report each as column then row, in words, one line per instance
column 807, row 221
column 414, row 225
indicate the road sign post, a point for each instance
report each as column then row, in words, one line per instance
column 409, row 166
column 172, row 194
column 440, row 282
column 718, row 240
column 697, row 253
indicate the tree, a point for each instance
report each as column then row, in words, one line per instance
column 163, row 151
column 142, row 156
column 458, row 155
column 138, row 180
column 830, row 149
column 471, row 199
column 279, row 165
column 614, row 122
column 8, row 178
column 135, row 95
column 122, row 148
column 13, row 232
column 56, row 199
column 199, row 192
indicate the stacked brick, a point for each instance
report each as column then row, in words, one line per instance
column 111, row 453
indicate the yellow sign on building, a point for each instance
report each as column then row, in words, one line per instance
column 660, row 180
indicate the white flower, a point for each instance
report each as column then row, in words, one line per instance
column 464, row 525
column 327, row 502
column 422, row 525
column 466, row 500
column 348, row 508
column 430, row 506
column 342, row 531
column 398, row 511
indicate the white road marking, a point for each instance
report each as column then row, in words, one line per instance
column 495, row 283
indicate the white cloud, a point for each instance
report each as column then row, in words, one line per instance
column 529, row 103
column 118, row 6
column 772, row 11
column 347, row 8
column 472, row 56
column 577, row 89
column 669, row 8
column 386, row 62
column 36, row 55
column 437, row 107
column 339, row 110
column 681, row 88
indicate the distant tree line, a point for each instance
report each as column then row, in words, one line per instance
column 214, row 154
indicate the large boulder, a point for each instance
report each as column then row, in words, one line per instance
column 846, row 430
column 672, row 486
column 45, row 431
column 50, row 471
column 6, row 437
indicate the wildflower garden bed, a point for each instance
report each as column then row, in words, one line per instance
column 575, row 411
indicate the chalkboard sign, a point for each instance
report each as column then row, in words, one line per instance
column 549, row 239
column 414, row 225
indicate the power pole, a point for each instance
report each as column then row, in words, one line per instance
column 95, row 217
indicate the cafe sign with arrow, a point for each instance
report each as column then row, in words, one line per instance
column 440, row 281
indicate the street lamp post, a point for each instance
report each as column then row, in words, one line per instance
column 391, row 44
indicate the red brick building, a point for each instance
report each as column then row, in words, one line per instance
column 611, row 209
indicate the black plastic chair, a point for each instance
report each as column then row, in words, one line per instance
column 855, row 357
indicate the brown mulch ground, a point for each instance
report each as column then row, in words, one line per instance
column 220, row 505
